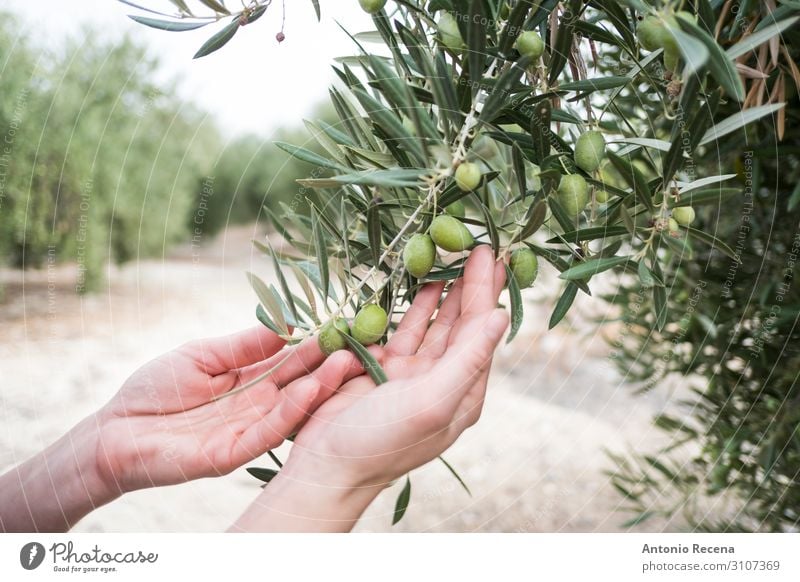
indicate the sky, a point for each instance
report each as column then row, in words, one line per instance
column 253, row 84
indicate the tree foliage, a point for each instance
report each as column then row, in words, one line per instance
column 441, row 84
column 104, row 163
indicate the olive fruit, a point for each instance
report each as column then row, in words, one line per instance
column 468, row 176
column 671, row 58
column 530, row 44
column 601, row 195
column 456, row 209
column 372, row 6
column 589, row 151
column 672, row 224
column 450, row 234
column 525, row 266
column 369, row 324
column 419, row 255
column 683, row 215
column 329, row 338
column 449, row 33
column 650, row 33
column 573, row 194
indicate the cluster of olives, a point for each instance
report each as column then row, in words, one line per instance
column 449, row 234
column 573, row 191
column 681, row 216
column 446, row 230
column 368, row 327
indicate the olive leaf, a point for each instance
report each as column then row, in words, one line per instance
column 265, row 475
column 592, row 267
column 402, row 502
column 219, row 40
column 563, row 304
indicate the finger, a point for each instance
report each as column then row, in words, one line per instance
column 466, row 359
column 481, row 288
column 469, row 409
column 411, row 331
column 221, row 354
column 499, row 279
column 289, row 364
column 293, row 406
column 435, row 341
column 478, row 295
column 334, row 371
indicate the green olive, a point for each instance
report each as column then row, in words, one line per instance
column 456, row 209
column 329, row 338
column 468, row 176
column 590, row 150
column 650, row 33
column 369, row 324
column 372, row 6
column 419, row 255
column 672, row 57
column 525, row 266
column 673, row 226
column 530, row 44
column 449, row 33
column 683, row 215
column 573, row 194
column 450, row 234
column 601, row 195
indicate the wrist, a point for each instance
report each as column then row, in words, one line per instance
column 56, row 488
column 307, row 496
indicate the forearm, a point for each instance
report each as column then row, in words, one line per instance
column 298, row 501
column 56, row 488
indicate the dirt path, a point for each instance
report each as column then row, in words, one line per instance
column 534, row 463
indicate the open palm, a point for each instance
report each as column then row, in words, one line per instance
column 437, row 382
column 177, row 419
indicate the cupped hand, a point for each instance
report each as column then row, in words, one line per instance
column 180, row 417
column 366, row 435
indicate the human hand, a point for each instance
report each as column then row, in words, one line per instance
column 364, row 436
column 179, row 417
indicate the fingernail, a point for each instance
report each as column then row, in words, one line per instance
column 497, row 323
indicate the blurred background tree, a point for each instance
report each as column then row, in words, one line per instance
column 734, row 339
column 107, row 164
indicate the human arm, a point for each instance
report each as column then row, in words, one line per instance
column 179, row 417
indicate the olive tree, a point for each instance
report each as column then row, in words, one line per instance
column 570, row 133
